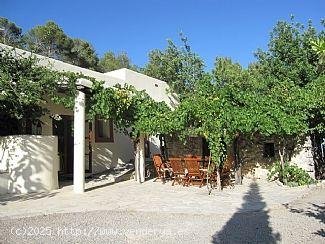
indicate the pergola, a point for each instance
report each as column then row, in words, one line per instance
column 79, row 141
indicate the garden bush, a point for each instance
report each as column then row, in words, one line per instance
column 291, row 175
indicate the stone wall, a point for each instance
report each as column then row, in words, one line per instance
column 176, row 147
column 303, row 157
column 252, row 153
column 255, row 164
column 253, row 159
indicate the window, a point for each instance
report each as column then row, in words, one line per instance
column 269, row 151
column 104, row 130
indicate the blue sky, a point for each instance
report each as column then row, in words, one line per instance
column 214, row 27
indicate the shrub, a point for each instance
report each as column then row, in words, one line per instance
column 291, row 175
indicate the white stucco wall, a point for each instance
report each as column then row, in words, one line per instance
column 303, row 157
column 110, row 154
column 106, row 155
column 154, row 145
column 62, row 66
column 158, row 90
column 121, row 151
column 28, row 163
column 4, row 179
column 46, row 119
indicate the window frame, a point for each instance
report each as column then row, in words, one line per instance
column 111, row 131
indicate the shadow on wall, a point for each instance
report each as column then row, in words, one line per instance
column 109, row 155
column 21, row 175
column 313, row 211
column 30, row 162
column 4, row 146
column 103, row 158
column 247, row 225
column 154, row 148
column 297, row 146
column 173, row 99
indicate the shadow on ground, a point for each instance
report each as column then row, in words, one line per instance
column 250, row 224
column 313, row 211
column 93, row 182
column 5, row 199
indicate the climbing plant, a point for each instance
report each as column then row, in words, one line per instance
column 132, row 111
column 26, row 87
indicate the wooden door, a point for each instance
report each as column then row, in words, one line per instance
column 63, row 129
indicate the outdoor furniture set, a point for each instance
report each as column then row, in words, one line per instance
column 185, row 171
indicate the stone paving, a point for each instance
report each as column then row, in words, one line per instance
column 149, row 197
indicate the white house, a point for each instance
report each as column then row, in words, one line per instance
column 71, row 144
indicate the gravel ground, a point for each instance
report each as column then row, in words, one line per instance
column 302, row 221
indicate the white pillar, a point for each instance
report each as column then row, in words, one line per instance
column 79, row 143
column 140, row 161
column 136, row 162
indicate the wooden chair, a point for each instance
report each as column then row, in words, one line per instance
column 226, row 172
column 190, row 156
column 161, row 168
column 204, row 161
column 194, row 172
column 178, row 169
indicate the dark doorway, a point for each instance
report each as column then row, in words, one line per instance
column 205, row 148
column 63, row 129
column 269, row 150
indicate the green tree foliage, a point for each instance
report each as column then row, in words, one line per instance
column 48, row 40
column 260, row 105
column 296, row 84
column 111, row 61
column 274, row 97
column 281, row 95
column 178, row 66
column 82, row 54
column 10, row 33
column 51, row 41
column 22, row 84
column 318, row 46
column 290, row 56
